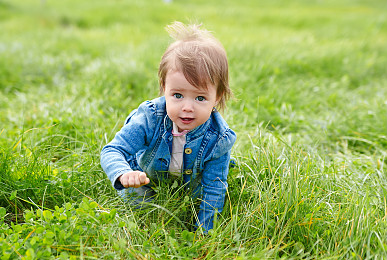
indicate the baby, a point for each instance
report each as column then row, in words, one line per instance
column 181, row 134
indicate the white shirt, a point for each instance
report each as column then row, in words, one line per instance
column 178, row 142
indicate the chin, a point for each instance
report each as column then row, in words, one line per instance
column 185, row 127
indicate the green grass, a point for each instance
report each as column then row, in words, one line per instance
column 310, row 112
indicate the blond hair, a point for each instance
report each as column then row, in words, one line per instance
column 200, row 57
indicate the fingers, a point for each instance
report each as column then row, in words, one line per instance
column 134, row 179
column 143, row 179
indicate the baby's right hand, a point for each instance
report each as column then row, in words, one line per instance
column 134, row 179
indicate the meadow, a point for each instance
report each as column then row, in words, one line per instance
column 309, row 108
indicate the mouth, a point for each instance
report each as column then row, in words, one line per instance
column 187, row 120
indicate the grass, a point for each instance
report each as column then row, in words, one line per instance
column 310, row 112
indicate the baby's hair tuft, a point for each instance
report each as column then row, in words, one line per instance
column 181, row 32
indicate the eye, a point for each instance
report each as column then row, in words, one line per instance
column 178, row 95
column 200, row 98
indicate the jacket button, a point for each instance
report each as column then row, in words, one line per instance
column 188, row 150
column 188, row 172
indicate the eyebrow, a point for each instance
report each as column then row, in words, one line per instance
column 198, row 91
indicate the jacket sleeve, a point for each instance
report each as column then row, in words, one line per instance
column 214, row 180
column 135, row 135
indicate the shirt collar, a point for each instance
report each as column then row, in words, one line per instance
column 175, row 131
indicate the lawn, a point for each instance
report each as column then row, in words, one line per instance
column 309, row 108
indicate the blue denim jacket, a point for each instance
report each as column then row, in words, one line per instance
column 145, row 142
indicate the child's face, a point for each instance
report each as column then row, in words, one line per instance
column 187, row 106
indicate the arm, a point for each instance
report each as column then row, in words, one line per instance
column 214, row 181
column 135, row 135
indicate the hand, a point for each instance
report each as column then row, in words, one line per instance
column 134, row 179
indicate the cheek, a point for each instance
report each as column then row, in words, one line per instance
column 171, row 109
column 206, row 112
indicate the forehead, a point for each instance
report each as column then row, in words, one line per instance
column 194, row 69
column 176, row 80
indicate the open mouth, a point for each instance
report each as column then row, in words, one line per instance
column 186, row 120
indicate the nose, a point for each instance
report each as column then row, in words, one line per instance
column 188, row 106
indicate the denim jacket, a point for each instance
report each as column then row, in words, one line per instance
column 145, row 142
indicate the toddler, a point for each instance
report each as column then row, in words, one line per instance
column 180, row 134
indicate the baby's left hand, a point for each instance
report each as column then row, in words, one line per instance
column 134, row 179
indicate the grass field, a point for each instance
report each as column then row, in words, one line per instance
column 310, row 111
